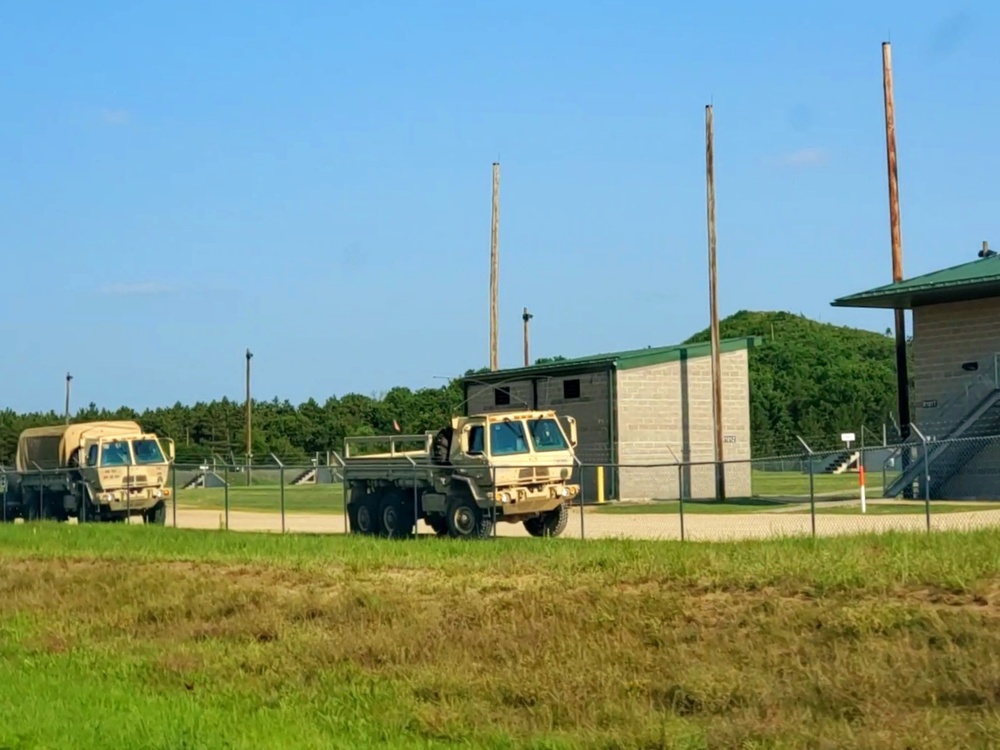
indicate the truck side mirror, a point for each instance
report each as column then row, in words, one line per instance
column 173, row 450
column 572, row 431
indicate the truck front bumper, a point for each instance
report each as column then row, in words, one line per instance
column 118, row 501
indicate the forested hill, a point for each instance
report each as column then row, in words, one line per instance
column 809, row 378
column 813, row 379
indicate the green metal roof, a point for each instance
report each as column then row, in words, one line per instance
column 626, row 360
column 977, row 279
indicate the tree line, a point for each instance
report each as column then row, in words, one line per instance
column 810, row 379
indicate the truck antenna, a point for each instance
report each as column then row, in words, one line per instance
column 69, row 379
column 494, row 268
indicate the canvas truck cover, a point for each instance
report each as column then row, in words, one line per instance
column 51, row 447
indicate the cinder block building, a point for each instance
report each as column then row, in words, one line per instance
column 645, row 406
column 956, row 382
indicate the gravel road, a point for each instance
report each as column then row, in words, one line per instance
column 699, row 527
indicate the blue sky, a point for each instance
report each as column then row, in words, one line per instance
column 181, row 181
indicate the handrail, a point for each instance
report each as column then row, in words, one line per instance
column 958, row 405
column 954, row 409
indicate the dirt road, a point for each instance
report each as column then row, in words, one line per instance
column 697, row 527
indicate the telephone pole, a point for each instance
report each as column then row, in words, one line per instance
column 249, row 423
column 526, row 316
column 69, row 378
column 494, row 267
column 720, row 475
column 902, row 380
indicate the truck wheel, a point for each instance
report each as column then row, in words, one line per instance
column 550, row 523
column 466, row 520
column 157, row 515
column 31, row 507
column 364, row 516
column 395, row 516
column 439, row 524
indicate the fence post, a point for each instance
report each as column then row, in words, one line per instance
column 927, row 474
column 680, row 496
column 416, row 501
column 225, row 496
column 812, row 485
column 173, row 493
column 583, row 491
column 281, row 488
column 493, row 482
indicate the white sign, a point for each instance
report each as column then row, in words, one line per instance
column 847, row 437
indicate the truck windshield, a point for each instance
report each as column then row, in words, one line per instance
column 116, row 453
column 507, row 438
column 546, row 435
column 147, row 452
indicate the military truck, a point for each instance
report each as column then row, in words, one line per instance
column 512, row 467
column 92, row 471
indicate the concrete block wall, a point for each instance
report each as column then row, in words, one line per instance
column 979, row 479
column 945, row 337
column 482, row 398
column 665, row 416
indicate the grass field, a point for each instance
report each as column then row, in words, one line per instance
column 912, row 507
column 151, row 637
column 796, row 484
column 761, row 505
column 666, row 507
column 314, row 498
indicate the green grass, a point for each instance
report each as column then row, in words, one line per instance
column 119, row 636
column 916, row 507
column 315, row 498
column 732, row 505
column 796, row 484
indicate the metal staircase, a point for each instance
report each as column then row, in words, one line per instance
column 945, row 459
column 841, row 462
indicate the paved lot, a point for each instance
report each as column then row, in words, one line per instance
column 700, row 527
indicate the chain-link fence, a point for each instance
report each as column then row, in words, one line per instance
column 920, row 483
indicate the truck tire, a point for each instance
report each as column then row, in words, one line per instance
column 441, row 446
column 395, row 515
column 157, row 515
column 439, row 524
column 550, row 523
column 466, row 520
column 363, row 515
column 32, row 508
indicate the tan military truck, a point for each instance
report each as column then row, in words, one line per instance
column 92, row 471
column 513, row 467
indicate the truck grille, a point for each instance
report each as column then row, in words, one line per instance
column 538, row 472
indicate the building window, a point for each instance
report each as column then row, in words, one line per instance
column 571, row 388
column 501, row 396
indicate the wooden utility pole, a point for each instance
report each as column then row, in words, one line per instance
column 69, row 378
column 494, row 268
column 249, row 423
column 526, row 316
column 720, row 475
column 902, row 379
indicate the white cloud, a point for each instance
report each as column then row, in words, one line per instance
column 115, row 116
column 135, row 288
column 805, row 157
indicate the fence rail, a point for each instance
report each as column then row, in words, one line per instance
column 944, row 484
